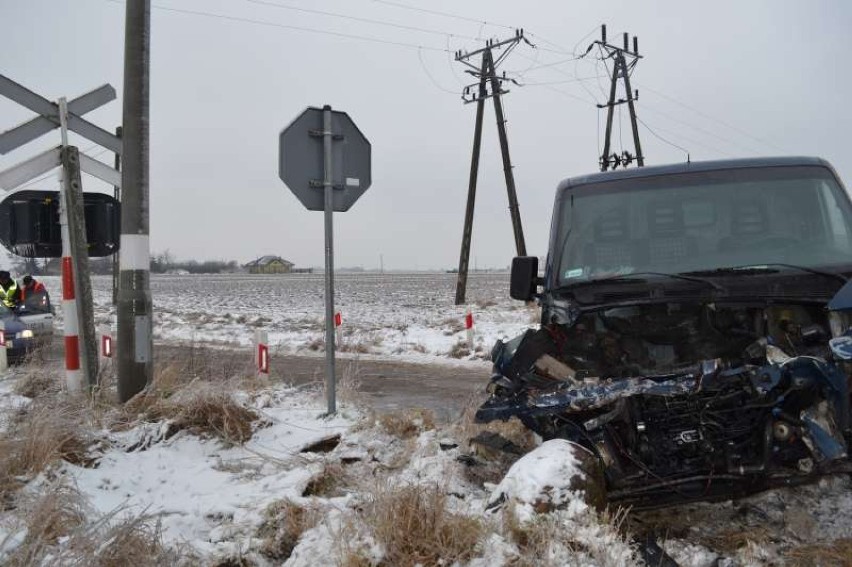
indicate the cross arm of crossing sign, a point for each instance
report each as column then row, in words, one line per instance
column 49, row 116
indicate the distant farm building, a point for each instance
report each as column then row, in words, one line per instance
column 269, row 265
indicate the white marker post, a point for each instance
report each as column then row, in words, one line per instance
column 4, row 359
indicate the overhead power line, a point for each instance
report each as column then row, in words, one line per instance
column 713, row 118
column 699, row 129
column 653, row 133
column 692, row 141
column 361, row 19
column 289, row 27
column 441, row 13
column 431, row 78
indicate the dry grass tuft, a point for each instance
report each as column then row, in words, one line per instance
column 459, row 350
column 206, row 413
column 407, row 424
column 532, row 538
column 57, row 533
column 284, row 523
column 414, row 527
column 348, row 388
column 38, row 381
column 42, row 437
column 495, row 463
column 133, row 541
column 235, row 561
column 329, row 482
column 168, row 380
column 55, row 514
column 544, row 538
column 729, row 541
column 835, row 554
column 193, row 405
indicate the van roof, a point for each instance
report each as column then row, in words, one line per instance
column 691, row 167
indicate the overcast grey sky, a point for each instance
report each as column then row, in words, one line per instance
column 724, row 79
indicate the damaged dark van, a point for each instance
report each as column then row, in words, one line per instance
column 696, row 328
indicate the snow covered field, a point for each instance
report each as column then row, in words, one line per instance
column 402, row 315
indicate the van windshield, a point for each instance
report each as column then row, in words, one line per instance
column 703, row 221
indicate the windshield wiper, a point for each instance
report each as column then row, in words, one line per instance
column 767, row 268
column 639, row 277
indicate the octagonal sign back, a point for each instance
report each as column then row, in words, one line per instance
column 300, row 159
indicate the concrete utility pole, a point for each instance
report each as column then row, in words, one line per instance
column 487, row 75
column 135, row 345
column 116, row 193
column 621, row 69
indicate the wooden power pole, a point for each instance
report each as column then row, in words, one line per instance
column 490, row 85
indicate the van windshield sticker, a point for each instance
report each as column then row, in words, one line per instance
column 574, row 273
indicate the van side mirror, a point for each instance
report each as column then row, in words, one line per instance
column 524, row 278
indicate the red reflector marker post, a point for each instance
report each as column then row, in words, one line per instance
column 106, row 346
column 468, row 325
column 261, row 351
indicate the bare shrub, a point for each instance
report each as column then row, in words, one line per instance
column 407, row 424
column 284, row 523
column 42, row 437
column 414, row 527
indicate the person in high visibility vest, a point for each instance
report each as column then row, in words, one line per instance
column 33, row 294
column 9, row 293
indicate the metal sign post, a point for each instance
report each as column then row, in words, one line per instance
column 328, row 189
column 340, row 167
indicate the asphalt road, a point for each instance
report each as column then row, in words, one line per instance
column 384, row 385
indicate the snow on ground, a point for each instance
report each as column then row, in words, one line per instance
column 402, row 315
column 209, row 496
column 211, row 499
